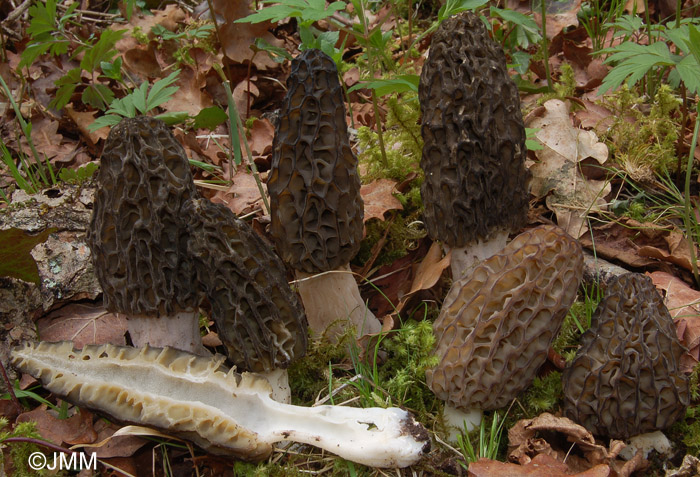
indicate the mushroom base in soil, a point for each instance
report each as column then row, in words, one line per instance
column 458, row 420
column 222, row 411
column 331, row 300
column 181, row 331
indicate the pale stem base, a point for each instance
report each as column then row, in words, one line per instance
column 180, row 331
column 333, row 300
column 464, row 259
column 279, row 382
column 456, row 419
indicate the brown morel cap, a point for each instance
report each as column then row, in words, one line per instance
column 626, row 378
column 496, row 325
column 136, row 232
column 474, row 138
column 314, row 185
column 258, row 317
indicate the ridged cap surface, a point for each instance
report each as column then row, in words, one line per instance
column 314, row 186
column 136, row 231
column 626, row 378
column 497, row 324
column 475, row 182
column 258, row 317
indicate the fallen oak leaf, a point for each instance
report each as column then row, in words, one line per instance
column 428, row 273
column 379, row 198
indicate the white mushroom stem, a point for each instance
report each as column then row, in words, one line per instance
column 180, row 330
column 459, row 420
column 279, row 382
column 220, row 410
column 464, row 259
column 332, row 299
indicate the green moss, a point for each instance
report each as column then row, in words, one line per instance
column 246, row 469
column 402, row 141
column 310, row 375
column 688, row 430
column 20, row 451
column 402, row 236
column 565, row 87
column 544, row 393
column 647, row 146
column 409, row 355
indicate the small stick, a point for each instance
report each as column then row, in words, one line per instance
column 10, row 388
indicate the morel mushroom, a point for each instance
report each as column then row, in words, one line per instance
column 222, row 411
column 316, row 207
column 475, row 190
column 258, row 317
column 497, row 324
column 626, row 378
column 137, row 233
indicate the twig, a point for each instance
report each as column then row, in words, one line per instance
column 10, row 389
column 17, row 12
column 39, row 442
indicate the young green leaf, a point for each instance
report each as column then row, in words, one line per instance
column 634, row 62
column 209, row 118
column 161, row 91
column 97, row 95
column 452, row 7
column 101, row 51
column 383, row 87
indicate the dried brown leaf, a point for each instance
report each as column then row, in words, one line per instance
column 683, row 303
column 557, row 174
column 190, row 95
column 541, row 465
column 83, row 324
column 77, row 429
column 236, row 38
column 243, row 196
column 379, row 198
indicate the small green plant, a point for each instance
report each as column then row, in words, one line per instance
column 486, row 445
column 597, row 17
column 20, row 447
column 634, row 61
column 577, row 321
column 29, row 178
column 193, row 36
column 49, row 34
column 141, row 101
column 307, row 12
column 79, row 175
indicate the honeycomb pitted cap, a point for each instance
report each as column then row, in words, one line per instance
column 314, row 186
column 497, row 324
column 626, row 378
column 136, row 231
column 258, row 317
column 476, row 183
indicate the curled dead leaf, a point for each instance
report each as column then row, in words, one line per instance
column 557, row 176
